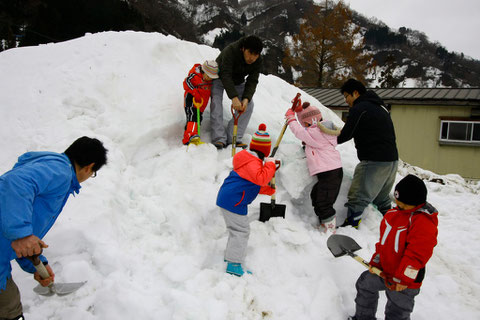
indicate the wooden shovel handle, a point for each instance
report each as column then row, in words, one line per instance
column 42, row 271
column 295, row 102
column 235, row 128
column 375, row 270
column 40, row 267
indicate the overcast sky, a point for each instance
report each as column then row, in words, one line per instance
column 454, row 24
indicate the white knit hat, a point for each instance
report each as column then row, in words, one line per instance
column 210, row 67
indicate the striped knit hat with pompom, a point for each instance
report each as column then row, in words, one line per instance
column 261, row 140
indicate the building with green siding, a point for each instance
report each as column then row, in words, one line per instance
column 437, row 129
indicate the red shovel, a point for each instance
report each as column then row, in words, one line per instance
column 235, row 128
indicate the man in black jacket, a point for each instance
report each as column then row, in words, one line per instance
column 370, row 126
column 238, row 60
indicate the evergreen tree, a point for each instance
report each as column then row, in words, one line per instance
column 387, row 79
column 13, row 14
column 227, row 37
column 243, row 19
column 329, row 48
column 60, row 20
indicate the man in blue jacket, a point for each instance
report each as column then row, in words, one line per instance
column 32, row 196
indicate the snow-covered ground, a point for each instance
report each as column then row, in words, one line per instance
column 146, row 234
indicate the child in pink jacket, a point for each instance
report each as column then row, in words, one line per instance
column 323, row 161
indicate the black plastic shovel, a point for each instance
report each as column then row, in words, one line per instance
column 341, row 245
column 53, row 288
column 272, row 209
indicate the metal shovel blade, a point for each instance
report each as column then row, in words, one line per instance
column 340, row 245
column 44, row 291
column 269, row 210
column 58, row 288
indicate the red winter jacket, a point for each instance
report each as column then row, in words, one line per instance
column 197, row 87
column 407, row 239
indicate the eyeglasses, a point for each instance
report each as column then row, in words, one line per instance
column 345, row 95
column 94, row 174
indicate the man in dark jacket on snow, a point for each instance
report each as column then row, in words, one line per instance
column 370, row 126
column 238, row 60
column 32, row 195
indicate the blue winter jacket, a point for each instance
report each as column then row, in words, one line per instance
column 32, row 196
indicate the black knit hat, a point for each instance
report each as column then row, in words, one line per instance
column 411, row 190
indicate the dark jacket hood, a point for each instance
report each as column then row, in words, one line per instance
column 369, row 96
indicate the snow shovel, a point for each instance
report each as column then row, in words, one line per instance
column 272, row 209
column 341, row 245
column 295, row 102
column 197, row 141
column 235, row 128
column 58, row 288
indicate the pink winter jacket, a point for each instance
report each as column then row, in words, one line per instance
column 320, row 148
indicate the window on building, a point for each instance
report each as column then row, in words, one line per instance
column 460, row 132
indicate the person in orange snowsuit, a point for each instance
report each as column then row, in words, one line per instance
column 198, row 86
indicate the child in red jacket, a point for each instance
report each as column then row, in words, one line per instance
column 198, row 86
column 249, row 177
column 408, row 234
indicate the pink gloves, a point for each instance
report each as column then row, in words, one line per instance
column 290, row 115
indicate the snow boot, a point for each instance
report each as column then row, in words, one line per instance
column 242, row 145
column 238, row 144
column 330, row 226
column 219, row 145
column 191, row 131
column 236, row 269
column 196, row 141
column 353, row 219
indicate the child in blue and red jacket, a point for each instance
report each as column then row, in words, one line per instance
column 198, row 86
column 408, row 234
column 249, row 177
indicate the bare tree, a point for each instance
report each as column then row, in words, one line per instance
column 329, row 47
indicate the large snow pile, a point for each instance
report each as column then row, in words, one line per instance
column 146, row 234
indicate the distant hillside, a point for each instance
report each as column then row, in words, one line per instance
column 404, row 57
column 414, row 60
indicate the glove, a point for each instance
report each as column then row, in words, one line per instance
column 394, row 286
column 290, row 115
column 45, row 282
column 278, row 164
column 269, row 159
